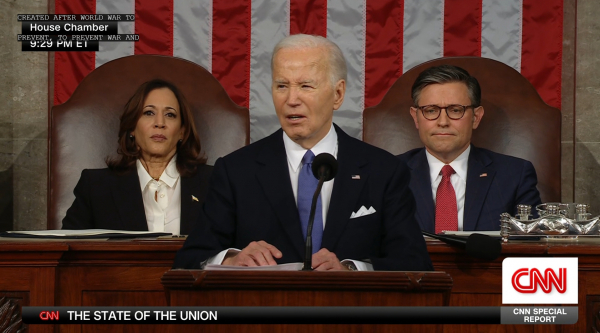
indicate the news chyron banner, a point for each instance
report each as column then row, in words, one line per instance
column 550, row 282
column 73, row 32
column 347, row 315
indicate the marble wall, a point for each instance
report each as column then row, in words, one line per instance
column 23, row 123
column 568, row 101
column 587, row 105
column 24, row 117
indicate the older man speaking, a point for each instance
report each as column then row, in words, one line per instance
column 257, row 200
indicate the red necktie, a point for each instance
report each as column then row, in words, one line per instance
column 446, row 213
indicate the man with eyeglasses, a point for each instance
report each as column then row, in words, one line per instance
column 458, row 186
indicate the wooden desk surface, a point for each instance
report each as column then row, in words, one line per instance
column 128, row 273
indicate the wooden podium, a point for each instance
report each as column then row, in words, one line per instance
column 128, row 273
column 285, row 288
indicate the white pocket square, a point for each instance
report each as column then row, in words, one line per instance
column 363, row 211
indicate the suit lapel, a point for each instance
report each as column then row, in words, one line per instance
column 274, row 178
column 420, row 184
column 479, row 179
column 190, row 186
column 346, row 190
column 128, row 199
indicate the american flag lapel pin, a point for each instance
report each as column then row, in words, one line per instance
column 355, row 176
column 483, row 175
column 194, row 198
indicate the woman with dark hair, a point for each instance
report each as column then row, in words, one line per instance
column 159, row 180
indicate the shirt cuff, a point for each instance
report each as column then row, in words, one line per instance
column 360, row 265
column 218, row 259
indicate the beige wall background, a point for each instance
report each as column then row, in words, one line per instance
column 24, row 115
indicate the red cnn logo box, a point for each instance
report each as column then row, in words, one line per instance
column 540, row 281
column 49, row 315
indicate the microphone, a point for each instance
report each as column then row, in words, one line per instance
column 324, row 165
column 476, row 245
column 324, row 168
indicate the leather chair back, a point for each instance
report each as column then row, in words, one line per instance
column 516, row 122
column 83, row 131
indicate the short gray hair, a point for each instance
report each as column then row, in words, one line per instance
column 337, row 62
column 446, row 74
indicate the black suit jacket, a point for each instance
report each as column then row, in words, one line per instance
column 250, row 199
column 496, row 184
column 105, row 200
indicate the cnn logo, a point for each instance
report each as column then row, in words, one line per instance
column 537, row 279
column 49, row 315
column 540, row 281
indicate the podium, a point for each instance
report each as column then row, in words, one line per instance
column 291, row 288
column 128, row 273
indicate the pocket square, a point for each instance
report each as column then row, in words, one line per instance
column 363, row 211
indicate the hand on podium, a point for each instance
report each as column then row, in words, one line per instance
column 258, row 253
column 324, row 260
column 262, row 253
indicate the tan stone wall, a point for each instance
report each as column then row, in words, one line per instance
column 23, row 121
column 568, row 100
column 587, row 105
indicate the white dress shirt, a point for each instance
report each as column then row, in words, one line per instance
column 295, row 152
column 458, row 179
column 162, row 198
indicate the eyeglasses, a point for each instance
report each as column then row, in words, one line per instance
column 454, row 111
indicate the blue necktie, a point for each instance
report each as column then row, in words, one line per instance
column 307, row 185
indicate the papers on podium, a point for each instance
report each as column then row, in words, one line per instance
column 81, row 234
column 296, row 266
column 468, row 233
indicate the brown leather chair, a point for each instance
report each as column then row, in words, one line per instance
column 516, row 122
column 83, row 131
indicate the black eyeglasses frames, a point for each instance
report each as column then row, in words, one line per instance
column 453, row 111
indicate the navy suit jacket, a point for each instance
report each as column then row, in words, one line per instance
column 105, row 200
column 510, row 181
column 250, row 199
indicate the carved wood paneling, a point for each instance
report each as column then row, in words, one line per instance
column 72, row 273
column 593, row 313
column 10, row 314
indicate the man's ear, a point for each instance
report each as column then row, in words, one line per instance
column 477, row 115
column 339, row 91
column 413, row 113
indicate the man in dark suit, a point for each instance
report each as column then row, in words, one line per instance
column 257, row 202
column 458, row 186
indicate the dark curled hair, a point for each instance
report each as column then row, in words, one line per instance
column 188, row 150
column 446, row 74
